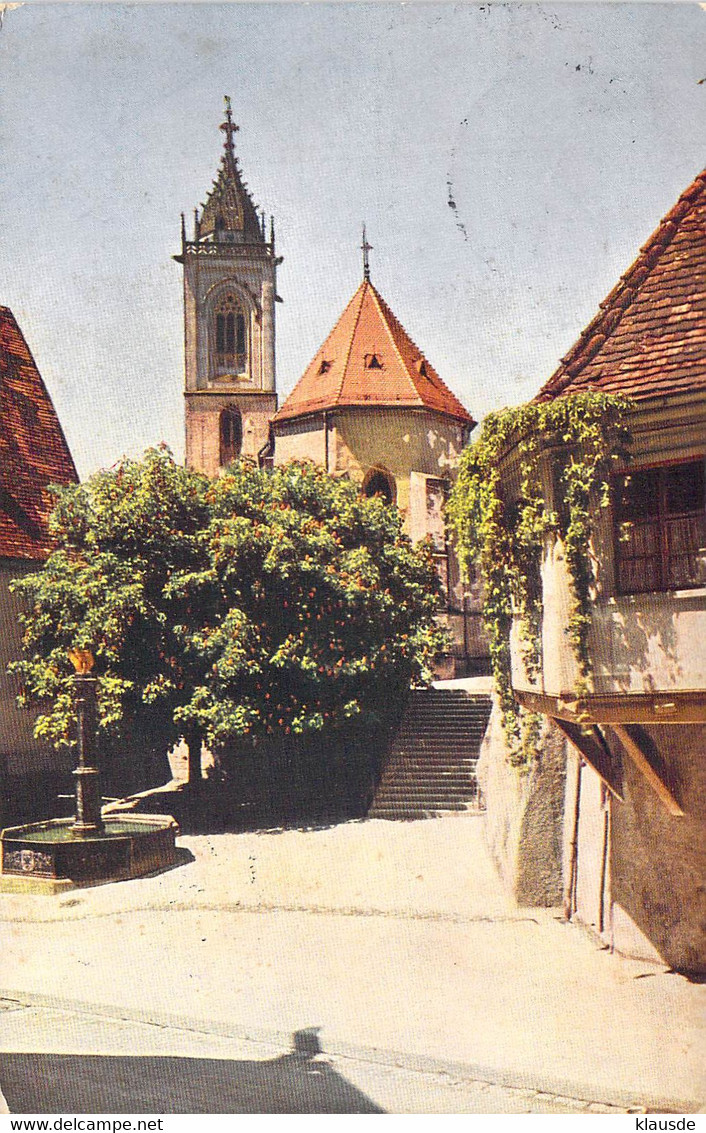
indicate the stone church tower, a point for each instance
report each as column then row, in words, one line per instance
column 229, row 322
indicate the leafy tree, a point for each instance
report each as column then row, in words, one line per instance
column 119, row 539
column 256, row 604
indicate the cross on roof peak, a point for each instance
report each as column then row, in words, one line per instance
column 365, row 247
column 229, row 127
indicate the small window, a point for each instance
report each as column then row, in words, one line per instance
column 661, row 529
column 325, row 367
column 372, row 362
column 231, row 431
column 422, row 367
column 379, row 483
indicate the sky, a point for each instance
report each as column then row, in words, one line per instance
column 508, row 160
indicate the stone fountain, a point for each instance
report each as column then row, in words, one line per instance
column 88, row 849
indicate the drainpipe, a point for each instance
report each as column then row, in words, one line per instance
column 570, row 888
column 326, row 460
column 604, row 859
column 267, row 452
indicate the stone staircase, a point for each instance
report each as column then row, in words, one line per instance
column 432, row 763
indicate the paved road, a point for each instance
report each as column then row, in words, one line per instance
column 119, row 1065
column 394, row 939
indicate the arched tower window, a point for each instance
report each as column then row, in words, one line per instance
column 379, row 483
column 230, row 337
column 231, row 434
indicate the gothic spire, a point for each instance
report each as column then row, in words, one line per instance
column 229, row 214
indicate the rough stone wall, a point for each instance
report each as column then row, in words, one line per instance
column 658, row 861
column 525, row 813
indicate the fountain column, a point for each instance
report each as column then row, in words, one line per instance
column 88, row 820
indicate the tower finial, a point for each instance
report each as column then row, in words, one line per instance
column 229, row 127
column 365, row 247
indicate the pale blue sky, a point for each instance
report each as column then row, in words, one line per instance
column 562, row 132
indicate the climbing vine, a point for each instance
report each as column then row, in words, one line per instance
column 501, row 517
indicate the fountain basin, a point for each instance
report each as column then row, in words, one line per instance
column 49, row 857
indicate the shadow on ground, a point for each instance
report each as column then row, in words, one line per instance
column 89, row 1083
column 214, row 810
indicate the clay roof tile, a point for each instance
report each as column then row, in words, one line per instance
column 33, row 449
column 649, row 335
column 369, row 359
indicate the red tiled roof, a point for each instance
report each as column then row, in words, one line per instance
column 649, row 336
column 370, row 360
column 33, row 450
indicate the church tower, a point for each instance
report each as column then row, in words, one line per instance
column 229, row 321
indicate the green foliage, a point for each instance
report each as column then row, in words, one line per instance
column 501, row 525
column 120, row 538
column 258, row 603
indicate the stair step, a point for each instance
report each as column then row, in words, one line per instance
column 414, row 812
column 431, row 769
column 411, row 783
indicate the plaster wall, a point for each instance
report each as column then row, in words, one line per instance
column 642, row 643
column 524, row 820
column 412, row 446
column 400, row 440
column 658, row 860
column 420, row 450
column 302, row 439
column 24, row 760
column 650, row 642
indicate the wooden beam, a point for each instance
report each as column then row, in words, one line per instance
column 593, row 749
column 645, row 766
column 674, row 707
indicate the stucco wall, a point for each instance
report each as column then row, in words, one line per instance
column 400, row 440
column 524, row 815
column 29, row 769
column 648, row 642
column 420, row 450
column 658, row 861
column 302, row 439
column 641, row 643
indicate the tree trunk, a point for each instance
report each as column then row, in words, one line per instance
column 194, row 741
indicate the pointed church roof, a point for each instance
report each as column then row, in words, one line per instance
column 369, row 360
column 649, row 336
column 229, row 205
column 33, row 449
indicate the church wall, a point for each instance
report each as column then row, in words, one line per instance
column 203, row 430
column 420, row 450
column 399, row 441
column 254, row 283
column 402, row 440
column 302, row 439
